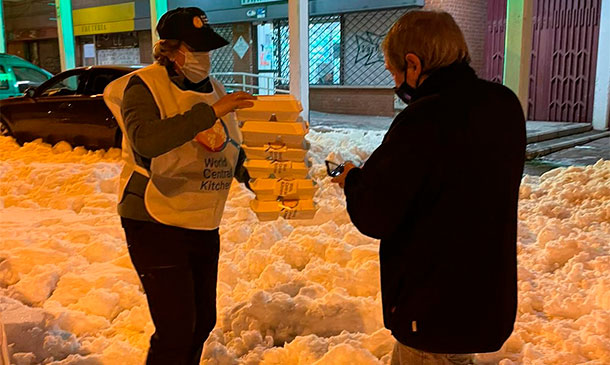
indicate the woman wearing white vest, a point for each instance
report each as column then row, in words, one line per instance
column 182, row 149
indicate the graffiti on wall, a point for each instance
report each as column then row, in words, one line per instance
column 363, row 61
column 368, row 48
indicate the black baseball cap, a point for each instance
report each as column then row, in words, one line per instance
column 191, row 26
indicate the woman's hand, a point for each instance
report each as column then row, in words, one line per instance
column 341, row 178
column 231, row 102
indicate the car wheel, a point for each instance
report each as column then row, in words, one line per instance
column 4, row 131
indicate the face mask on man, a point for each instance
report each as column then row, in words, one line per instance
column 405, row 91
column 196, row 65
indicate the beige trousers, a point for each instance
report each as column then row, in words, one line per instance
column 404, row 355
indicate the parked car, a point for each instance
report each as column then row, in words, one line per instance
column 69, row 107
column 17, row 74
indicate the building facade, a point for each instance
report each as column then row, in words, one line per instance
column 108, row 31
column 347, row 71
column 117, row 32
column 565, row 43
column 346, row 65
column 31, row 32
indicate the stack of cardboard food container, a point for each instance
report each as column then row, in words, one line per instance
column 276, row 151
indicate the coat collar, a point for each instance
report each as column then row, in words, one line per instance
column 444, row 78
column 452, row 77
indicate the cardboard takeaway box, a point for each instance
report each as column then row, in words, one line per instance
column 264, row 169
column 273, row 151
column 272, row 107
column 287, row 209
column 275, row 145
column 285, row 189
column 288, row 134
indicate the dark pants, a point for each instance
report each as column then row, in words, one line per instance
column 178, row 269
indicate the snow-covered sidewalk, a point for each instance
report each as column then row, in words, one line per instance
column 302, row 292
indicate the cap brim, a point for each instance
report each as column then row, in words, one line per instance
column 207, row 41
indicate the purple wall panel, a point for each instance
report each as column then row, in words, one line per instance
column 494, row 40
column 564, row 54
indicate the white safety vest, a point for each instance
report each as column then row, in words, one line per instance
column 188, row 186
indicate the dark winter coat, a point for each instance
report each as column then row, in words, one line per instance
column 441, row 192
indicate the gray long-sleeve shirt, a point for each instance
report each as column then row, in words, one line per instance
column 150, row 136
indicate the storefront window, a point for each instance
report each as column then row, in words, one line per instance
column 325, row 55
column 325, row 51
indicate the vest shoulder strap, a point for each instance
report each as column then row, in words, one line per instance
column 113, row 97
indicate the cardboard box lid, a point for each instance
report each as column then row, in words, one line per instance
column 272, row 107
column 271, row 103
column 275, row 128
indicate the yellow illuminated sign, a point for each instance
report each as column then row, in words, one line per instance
column 104, row 19
column 100, row 28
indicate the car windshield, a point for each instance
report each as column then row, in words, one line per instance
column 65, row 86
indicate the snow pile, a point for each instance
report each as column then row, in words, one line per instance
column 564, row 267
column 289, row 292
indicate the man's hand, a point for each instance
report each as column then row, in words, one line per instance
column 341, row 178
column 231, row 102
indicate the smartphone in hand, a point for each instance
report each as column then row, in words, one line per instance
column 334, row 169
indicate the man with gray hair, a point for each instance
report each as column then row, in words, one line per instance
column 441, row 192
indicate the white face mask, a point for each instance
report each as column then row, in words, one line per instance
column 196, row 66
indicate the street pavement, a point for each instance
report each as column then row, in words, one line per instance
column 587, row 154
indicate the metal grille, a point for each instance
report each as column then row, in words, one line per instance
column 363, row 58
column 494, row 42
column 562, row 78
column 343, row 49
column 222, row 58
column 282, row 49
